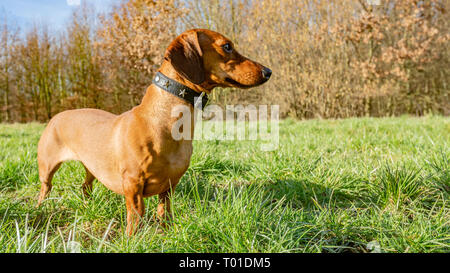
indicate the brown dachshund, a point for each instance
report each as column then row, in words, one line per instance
column 134, row 154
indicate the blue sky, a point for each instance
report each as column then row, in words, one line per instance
column 53, row 12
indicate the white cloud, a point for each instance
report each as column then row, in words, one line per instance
column 73, row 2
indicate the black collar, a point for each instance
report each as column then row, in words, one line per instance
column 180, row 90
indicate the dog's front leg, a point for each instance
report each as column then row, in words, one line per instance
column 135, row 204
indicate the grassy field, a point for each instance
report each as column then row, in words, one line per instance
column 357, row 185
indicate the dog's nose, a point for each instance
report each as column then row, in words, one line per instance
column 266, row 72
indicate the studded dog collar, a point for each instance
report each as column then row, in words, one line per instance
column 180, row 90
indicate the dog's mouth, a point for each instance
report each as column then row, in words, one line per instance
column 240, row 85
column 235, row 83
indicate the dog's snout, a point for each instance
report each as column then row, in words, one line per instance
column 266, row 73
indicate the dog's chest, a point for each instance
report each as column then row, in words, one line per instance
column 170, row 163
column 166, row 169
column 179, row 159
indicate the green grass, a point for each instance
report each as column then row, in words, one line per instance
column 356, row 185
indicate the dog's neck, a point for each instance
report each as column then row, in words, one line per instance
column 159, row 103
column 168, row 70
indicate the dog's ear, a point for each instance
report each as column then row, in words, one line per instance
column 186, row 56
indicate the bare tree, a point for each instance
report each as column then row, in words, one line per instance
column 133, row 39
column 8, row 39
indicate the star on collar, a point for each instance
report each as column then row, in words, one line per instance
column 182, row 93
column 167, row 84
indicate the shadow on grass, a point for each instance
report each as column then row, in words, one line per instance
column 17, row 174
column 297, row 193
column 212, row 166
column 24, row 210
column 300, row 197
column 305, row 194
column 2, row 135
column 15, row 134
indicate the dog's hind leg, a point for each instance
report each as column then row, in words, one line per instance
column 51, row 154
column 87, row 185
column 46, row 172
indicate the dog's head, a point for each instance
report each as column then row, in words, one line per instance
column 209, row 59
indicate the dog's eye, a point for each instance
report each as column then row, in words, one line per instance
column 227, row 47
